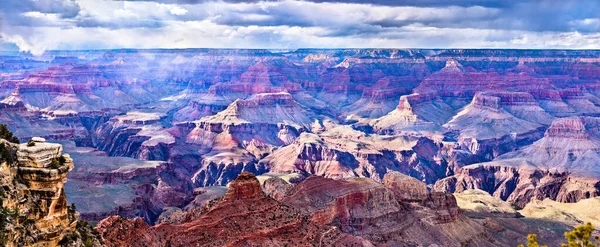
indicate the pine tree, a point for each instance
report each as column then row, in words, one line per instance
column 532, row 241
column 581, row 236
column 7, row 135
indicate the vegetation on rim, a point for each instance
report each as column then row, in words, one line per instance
column 581, row 236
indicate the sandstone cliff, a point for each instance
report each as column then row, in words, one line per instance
column 561, row 166
column 34, row 206
column 245, row 216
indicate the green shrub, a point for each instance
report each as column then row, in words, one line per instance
column 581, row 236
column 30, row 143
column 58, row 162
column 7, row 135
column 62, row 160
column 5, row 155
column 6, row 218
column 55, row 164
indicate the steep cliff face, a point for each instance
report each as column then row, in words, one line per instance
column 360, row 206
column 381, row 98
column 135, row 134
column 488, row 117
column 237, row 137
column 562, row 166
column 520, row 185
column 342, row 152
column 454, row 80
column 358, row 212
column 13, row 103
column 33, row 196
column 245, row 216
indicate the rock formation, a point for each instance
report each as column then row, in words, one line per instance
column 414, row 113
column 245, row 216
column 342, row 152
column 206, row 115
column 354, row 212
column 34, row 205
column 520, row 185
column 560, row 166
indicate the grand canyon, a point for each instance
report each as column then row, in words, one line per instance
column 302, row 147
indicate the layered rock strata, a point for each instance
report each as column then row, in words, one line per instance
column 33, row 177
column 245, row 216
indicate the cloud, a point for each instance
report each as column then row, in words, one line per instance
column 22, row 44
column 420, row 3
column 35, row 25
column 13, row 10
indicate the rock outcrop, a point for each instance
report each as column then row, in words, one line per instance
column 342, row 152
column 135, row 134
column 561, row 166
column 520, row 185
column 415, row 113
column 33, row 201
column 316, row 211
column 487, row 117
column 245, row 216
column 13, row 103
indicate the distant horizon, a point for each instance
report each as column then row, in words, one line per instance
column 307, row 48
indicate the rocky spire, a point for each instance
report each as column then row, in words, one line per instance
column 245, row 186
column 453, row 66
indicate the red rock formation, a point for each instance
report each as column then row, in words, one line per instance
column 371, row 210
column 315, row 211
column 345, row 153
column 405, row 188
column 455, row 82
column 245, row 216
column 572, row 128
column 414, row 113
column 277, row 188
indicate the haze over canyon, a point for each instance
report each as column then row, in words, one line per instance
column 339, row 147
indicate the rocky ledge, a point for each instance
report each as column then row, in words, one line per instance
column 32, row 196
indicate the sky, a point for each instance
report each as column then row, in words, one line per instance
column 38, row 25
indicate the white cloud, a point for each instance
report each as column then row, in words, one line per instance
column 169, row 8
column 285, row 24
column 24, row 45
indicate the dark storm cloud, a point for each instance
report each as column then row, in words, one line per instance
column 13, row 10
column 532, row 15
column 93, row 22
column 426, row 3
column 537, row 16
column 65, row 8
